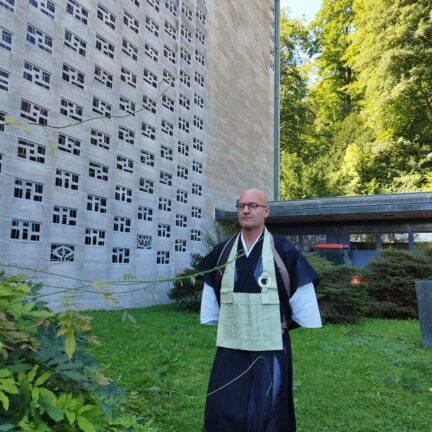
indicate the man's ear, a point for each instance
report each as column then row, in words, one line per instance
column 267, row 211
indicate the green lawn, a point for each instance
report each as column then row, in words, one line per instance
column 370, row 377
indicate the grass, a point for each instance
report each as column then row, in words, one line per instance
column 370, row 377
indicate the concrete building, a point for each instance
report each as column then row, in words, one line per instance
column 123, row 124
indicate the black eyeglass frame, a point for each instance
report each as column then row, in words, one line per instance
column 250, row 205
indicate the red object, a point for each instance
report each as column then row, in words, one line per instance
column 330, row 246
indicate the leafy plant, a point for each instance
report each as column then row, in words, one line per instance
column 187, row 290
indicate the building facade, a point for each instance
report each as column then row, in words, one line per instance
column 123, row 124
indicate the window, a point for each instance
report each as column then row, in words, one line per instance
column 101, row 107
column 149, row 104
column 170, row 30
column 127, row 105
column 294, row 239
column 147, row 158
column 197, row 144
column 77, row 10
column 165, row 178
column 68, row 144
column 180, row 245
column 169, row 54
column 62, row 252
column 195, row 235
column 164, row 230
column 200, row 57
column 122, row 224
column 185, row 78
column 104, row 46
column 196, row 212
column 162, row 257
column 151, row 51
column 184, row 101
column 185, row 55
column 145, row 213
column 199, row 79
column 182, row 196
column 422, row 240
column 31, row 151
column 71, row 109
column 98, row 171
column 5, row 39
column 124, row 164
column 167, row 102
column 144, row 241
column 150, row 78
column 123, row 193
column 146, row 185
column 75, row 43
column 96, row 203
column 65, row 215
column 148, row 131
column 37, row 75
column 200, row 15
column 4, row 80
column 183, row 125
column 168, row 77
column 154, row 4
column 1, row 158
column 66, row 179
column 198, row 100
column 166, row 153
column 8, row 5
column 100, row 139
column 131, row 22
column 167, row 127
column 198, row 122
column 310, row 240
column 152, row 26
column 94, row 237
column 103, row 76
column 46, row 6
column 128, row 77
column 183, row 148
column 34, row 113
column 73, row 76
column 171, row 5
column 362, row 241
column 186, row 11
column 186, row 33
column 130, row 49
column 29, row 190
column 182, row 172
column 196, row 189
column 120, row 256
column 394, row 240
column 165, row 204
column 2, row 121
column 39, row 38
column 181, row 221
column 25, row 230
column 126, row 135
column 106, row 16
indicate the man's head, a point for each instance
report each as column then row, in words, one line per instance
column 252, row 209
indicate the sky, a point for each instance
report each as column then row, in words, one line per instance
column 299, row 8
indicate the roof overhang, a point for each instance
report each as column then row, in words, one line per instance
column 403, row 206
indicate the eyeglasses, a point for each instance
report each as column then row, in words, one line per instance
column 251, row 205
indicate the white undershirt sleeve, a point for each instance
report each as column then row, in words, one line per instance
column 209, row 306
column 304, row 306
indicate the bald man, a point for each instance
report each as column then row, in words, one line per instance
column 266, row 288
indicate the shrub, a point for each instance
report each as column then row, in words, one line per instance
column 187, row 290
column 48, row 382
column 392, row 282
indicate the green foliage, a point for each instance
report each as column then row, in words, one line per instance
column 48, row 381
column 392, row 282
column 187, row 290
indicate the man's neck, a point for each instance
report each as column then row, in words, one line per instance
column 250, row 236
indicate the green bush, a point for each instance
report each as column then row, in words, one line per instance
column 48, row 382
column 392, row 282
column 187, row 290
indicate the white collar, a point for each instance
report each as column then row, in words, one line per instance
column 245, row 248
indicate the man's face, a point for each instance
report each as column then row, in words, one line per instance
column 252, row 218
